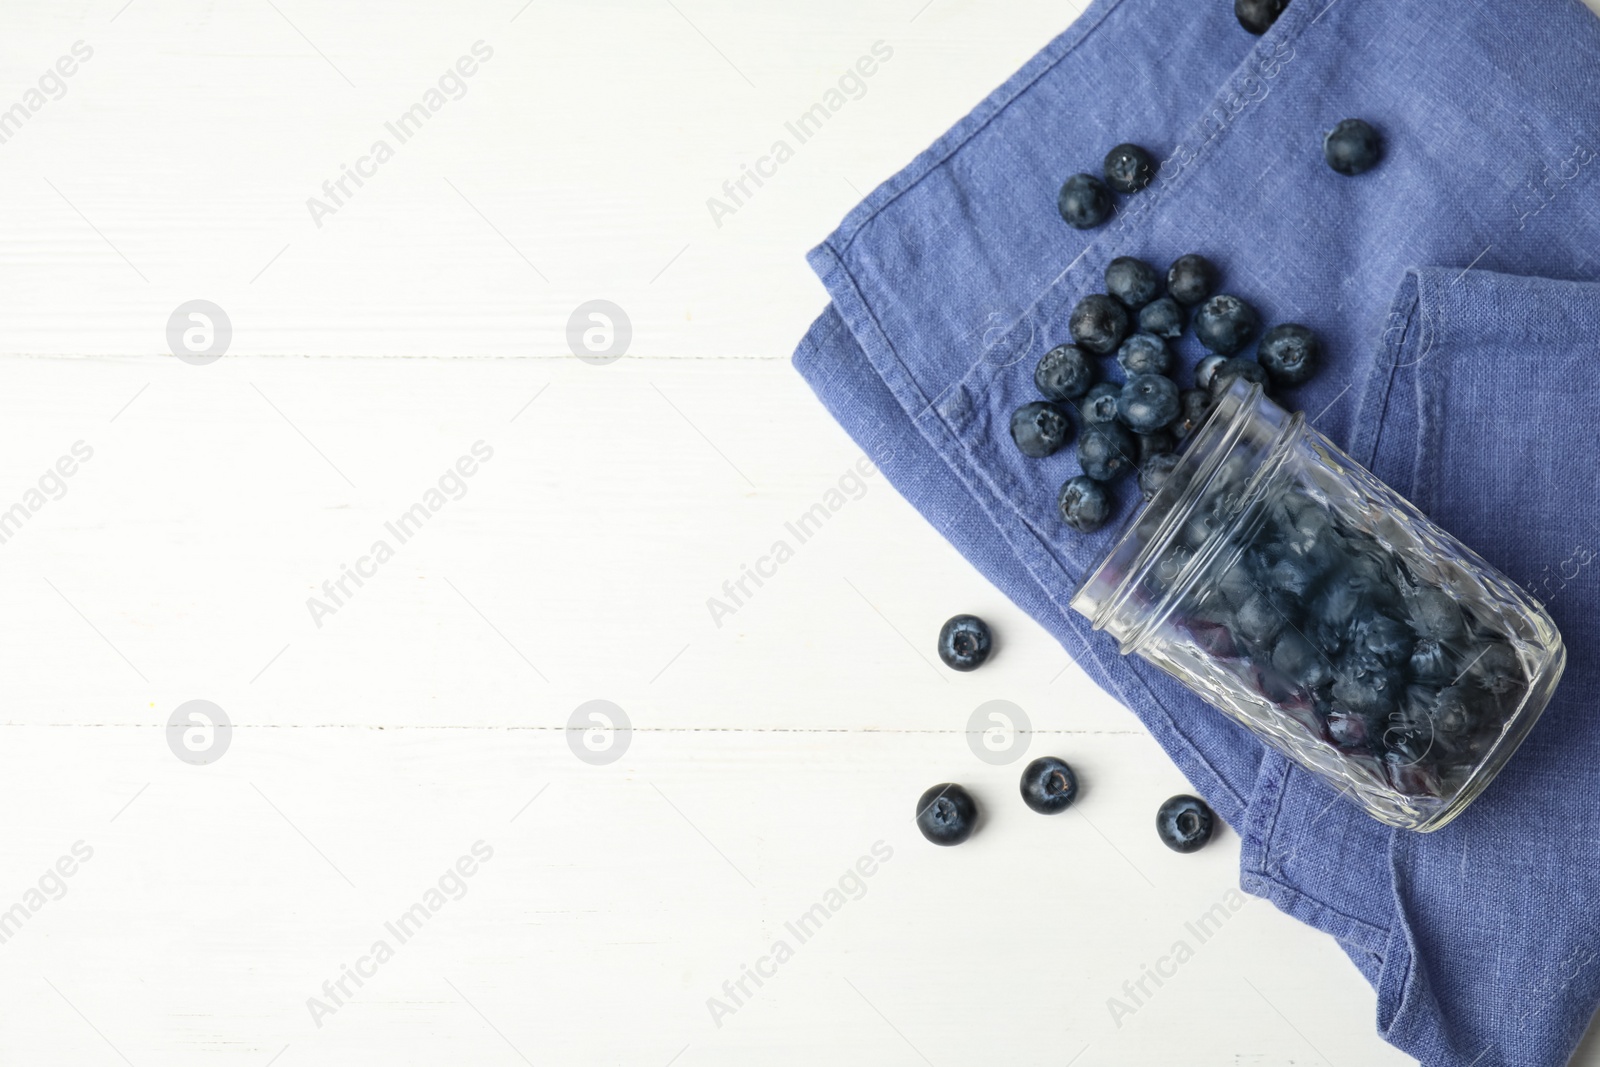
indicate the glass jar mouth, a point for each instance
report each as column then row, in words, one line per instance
column 1106, row 594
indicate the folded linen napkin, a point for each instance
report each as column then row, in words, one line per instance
column 1470, row 392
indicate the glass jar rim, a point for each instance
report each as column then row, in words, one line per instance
column 1104, row 595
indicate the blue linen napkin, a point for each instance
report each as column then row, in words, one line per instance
column 1470, row 392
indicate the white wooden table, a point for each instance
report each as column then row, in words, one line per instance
column 417, row 720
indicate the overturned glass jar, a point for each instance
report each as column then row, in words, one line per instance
column 1290, row 588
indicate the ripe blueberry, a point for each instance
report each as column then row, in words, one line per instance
column 1163, row 317
column 1257, row 16
column 1184, row 823
column 965, row 643
column 1191, row 279
column 1225, row 324
column 1084, row 503
column 1352, row 147
column 1084, row 202
column 1099, row 324
column 1144, row 353
column 1099, row 404
column 1039, row 428
column 1048, row 785
column 1154, row 472
column 1205, row 372
column 947, row 814
column 1151, row 445
column 1132, row 281
column 1236, row 367
column 1149, row 402
column 1064, row 373
column 1290, row 354
column 1193, row 407
column 1105, row 450
column 1129, row 168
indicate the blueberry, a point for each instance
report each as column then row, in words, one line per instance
column 1084, row 202
column 1163, row 317
column 1360, row 687
column 1205, row 372
column 1193, row 407
column 1257, row 16
column 1191, row 279
column 1155, row 444
column 965, row 643
column 1064, row 373
column 1258, row 621
column 1352, row 147
column 1409, row 737
column 1496, row 669
column 1458, row 710
column 1084, row 503
column 947, row 814
column 1348, row 731
column 1432, row 662
column 1236, row 367
column 1099, row 404
column 1385, row 640
column 1154, row 472
column 1099, row 324
column 1039, row 428
column 1435, row 613
column 1049, row 786
column 1132, row 281
column 1290, row 354
column 1225, row 324
column 1129, row 168
column 1144, row 353
column 1149, row 402
column 1106, row 450
column 1184, row 823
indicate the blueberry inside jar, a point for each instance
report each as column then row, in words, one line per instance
column 1301, row 596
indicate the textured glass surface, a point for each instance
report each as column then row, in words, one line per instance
column 1303, row 597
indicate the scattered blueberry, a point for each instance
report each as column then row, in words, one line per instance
column 1064, row 373
column 1144, row 353
column 1205, row 372
column 1154, row 472
column 1049, row 786
column 1105, row 450
column 1039, row 428
column 1084, row 202
column 1149, row 402
column 1257, row 16
column 1084, row 503
column 1290, row 354
column 1352, row 147
column 1191, row 279
column 1236, row 367
column 1132, row 281
column 1163, row 317
column 947, row 814
column 1184, row 823
column 1193, row 407
column 965, row 643
column 1099, row 324
column 1129, row 168
column 1225, row 324
column 1100, row 403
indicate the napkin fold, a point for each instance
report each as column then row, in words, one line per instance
column 1470, row 390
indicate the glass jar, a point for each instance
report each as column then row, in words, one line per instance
column 1297, row 593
